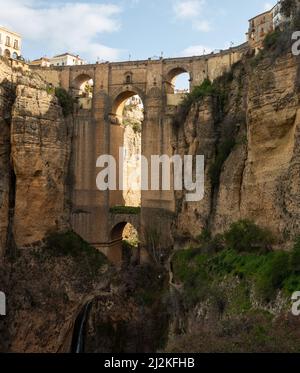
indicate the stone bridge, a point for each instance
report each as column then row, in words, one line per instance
column 97, row 132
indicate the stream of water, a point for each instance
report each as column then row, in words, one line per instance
column 79, row 330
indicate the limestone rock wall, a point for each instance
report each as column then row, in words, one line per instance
column 6, row 101
column 260, row 179
column 35, row 143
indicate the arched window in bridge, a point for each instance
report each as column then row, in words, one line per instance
column 83, row 86
column 128, row 78
column 181, row 83
column 178, row 81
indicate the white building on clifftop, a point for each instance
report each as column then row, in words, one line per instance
column 66, row 59
column 10, row 43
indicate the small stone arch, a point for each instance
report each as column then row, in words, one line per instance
column 119, row 252
column 128, row 77
column 15, row 56
column 79, row 84
column 172, row 74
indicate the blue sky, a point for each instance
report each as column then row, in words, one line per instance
column 114, row 29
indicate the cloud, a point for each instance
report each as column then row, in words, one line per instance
column 188, row 9
column 203, row 26
column 192, row 11
column 196, row 50
column 72, row 26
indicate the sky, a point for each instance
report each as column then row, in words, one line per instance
column 120, row 30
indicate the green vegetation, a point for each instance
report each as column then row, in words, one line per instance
column 272, row 274
column 272, row 39
column 223, row 152
column 245, row 236
column 50, row 90
column 69, row 244
column 199, row 92
column 125, row 210
column 295, row 259
column 217, row 90
column 206, row 89
column 134, row 124
column 65, row 100
column 201, row 273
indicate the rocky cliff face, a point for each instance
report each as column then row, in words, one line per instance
column 35, row 142
column 7, row 96
column 259, row 128
column 35, row 152
column 250, row 139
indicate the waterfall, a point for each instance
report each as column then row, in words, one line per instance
column 79, row 329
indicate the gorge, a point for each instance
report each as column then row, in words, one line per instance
column 187, row 286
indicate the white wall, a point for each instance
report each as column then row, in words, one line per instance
column 11, row 48
column 67, row 60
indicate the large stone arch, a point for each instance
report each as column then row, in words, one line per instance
column 117, row 133
column 122, row 94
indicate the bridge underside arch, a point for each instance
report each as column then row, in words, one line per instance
column 124, row 228
column 119, row 100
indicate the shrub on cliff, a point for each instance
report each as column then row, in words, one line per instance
column 65, row 100
column 245, row 236
column 198, row 92
column 272, row 39
column 295, row 258
column 201, row 274
column 272, row 275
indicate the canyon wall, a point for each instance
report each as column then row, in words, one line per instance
column 258, row 125
column 35, row 151
column 252, row 127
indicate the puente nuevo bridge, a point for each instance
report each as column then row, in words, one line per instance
column 98, row 132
